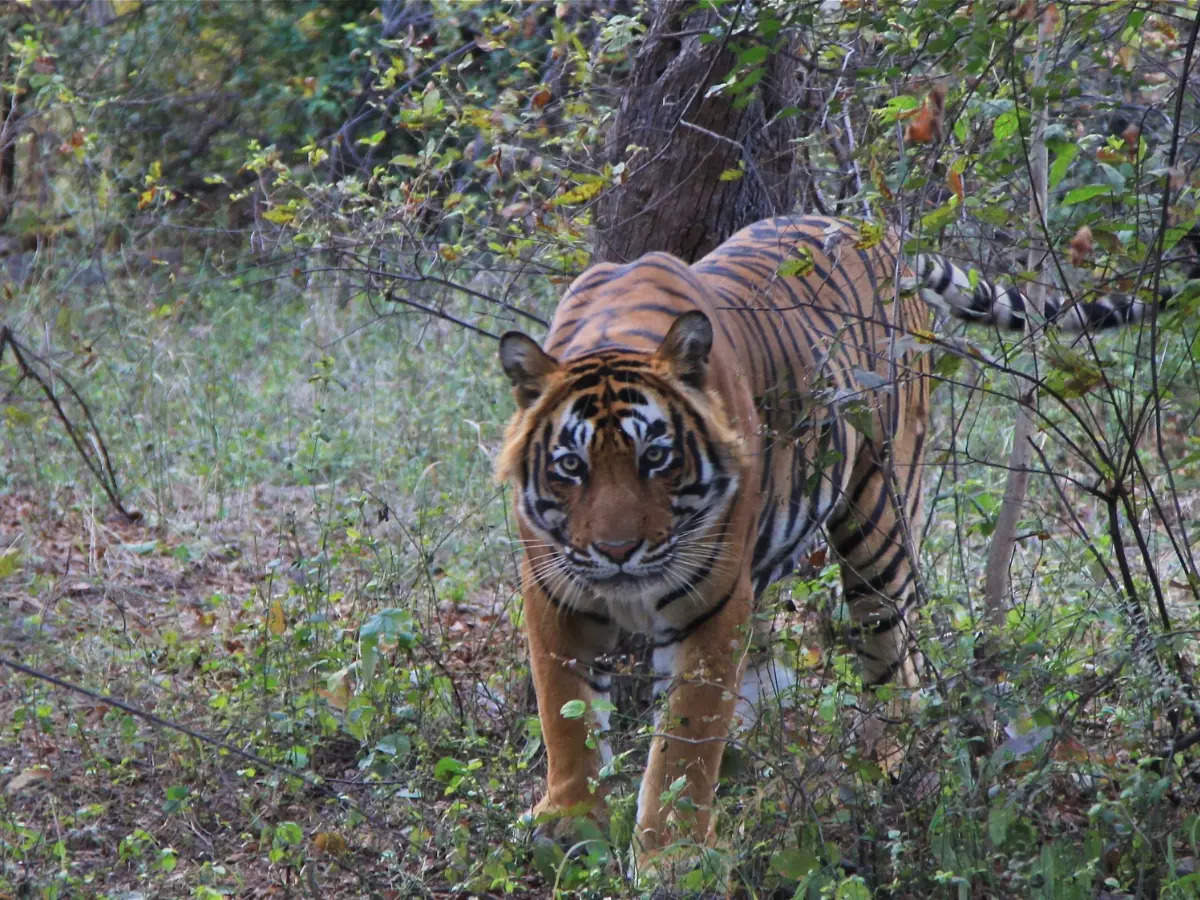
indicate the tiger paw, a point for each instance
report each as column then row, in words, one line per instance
column 566, row 825
column 682, row 869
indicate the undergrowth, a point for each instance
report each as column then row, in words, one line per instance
column 323, row 580
column 300, row 669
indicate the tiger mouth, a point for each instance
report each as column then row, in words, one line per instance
column 607, row 583
column 621, row 578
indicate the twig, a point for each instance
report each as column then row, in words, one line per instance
column 307, row 777
column 97, row 460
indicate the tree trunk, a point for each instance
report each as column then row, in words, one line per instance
column 676, row 141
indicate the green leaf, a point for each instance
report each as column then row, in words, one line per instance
column 939, row 218
column 573, row 709
column 1062, row 160
column 1114, row 177
column 852, row 888
column 391, row 624
column 998, row 821
column 447, row 767
column 395, row 745
column 1005, row 125
column 9, row 562
column 431, row 106
column 749, row 80
column 288, row 834
column 752, row 55
column 177, row 797
column 897, row 106
column 947, row 365
column 1087, row 192
column 794, row 864
column 1174, row 235
column 547, row 858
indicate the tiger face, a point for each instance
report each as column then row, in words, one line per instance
column 623, row 481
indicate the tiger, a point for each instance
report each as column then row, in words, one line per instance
column 682, row 437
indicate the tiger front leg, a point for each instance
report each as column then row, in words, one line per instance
column 562, row 647
column 691, row 731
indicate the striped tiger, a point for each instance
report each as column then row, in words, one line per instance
column 682, row 436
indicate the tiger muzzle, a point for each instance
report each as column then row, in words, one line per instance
column 617, row 551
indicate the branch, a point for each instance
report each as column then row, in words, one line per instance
column 309, row 778
column 96, row 459
column 998, row 588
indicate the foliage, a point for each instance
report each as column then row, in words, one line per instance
column 268, row 248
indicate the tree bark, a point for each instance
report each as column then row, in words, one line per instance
column 998, row 587
column 676, row 140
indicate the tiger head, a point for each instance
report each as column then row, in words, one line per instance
column 624, row 465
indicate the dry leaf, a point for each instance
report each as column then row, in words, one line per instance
column 1050, row 20
column 494, row 161
column 276, row 624
column 1025, row 12
column 955, row 181
column 926, row 123
column 330, row 842
column 1081, row 246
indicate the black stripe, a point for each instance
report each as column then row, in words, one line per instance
column 598, row 618
column 876, row 628
column 679, row 634
column 892, row 669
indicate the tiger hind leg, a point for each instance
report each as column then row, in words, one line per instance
column 872, row 538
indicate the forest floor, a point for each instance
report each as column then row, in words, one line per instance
column 106, row 791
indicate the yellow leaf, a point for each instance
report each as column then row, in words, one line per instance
column 579, row 194
column 275, row 621
column 869, row 235
column 800, row 265
column 279, row 216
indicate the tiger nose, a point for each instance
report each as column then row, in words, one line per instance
column 617, row 551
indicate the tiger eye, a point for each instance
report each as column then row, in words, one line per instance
column 570, row 464
column 654, row 455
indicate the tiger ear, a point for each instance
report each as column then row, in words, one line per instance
column 526, row 365
column 686, row 347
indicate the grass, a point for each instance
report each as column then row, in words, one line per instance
column 325, row 578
